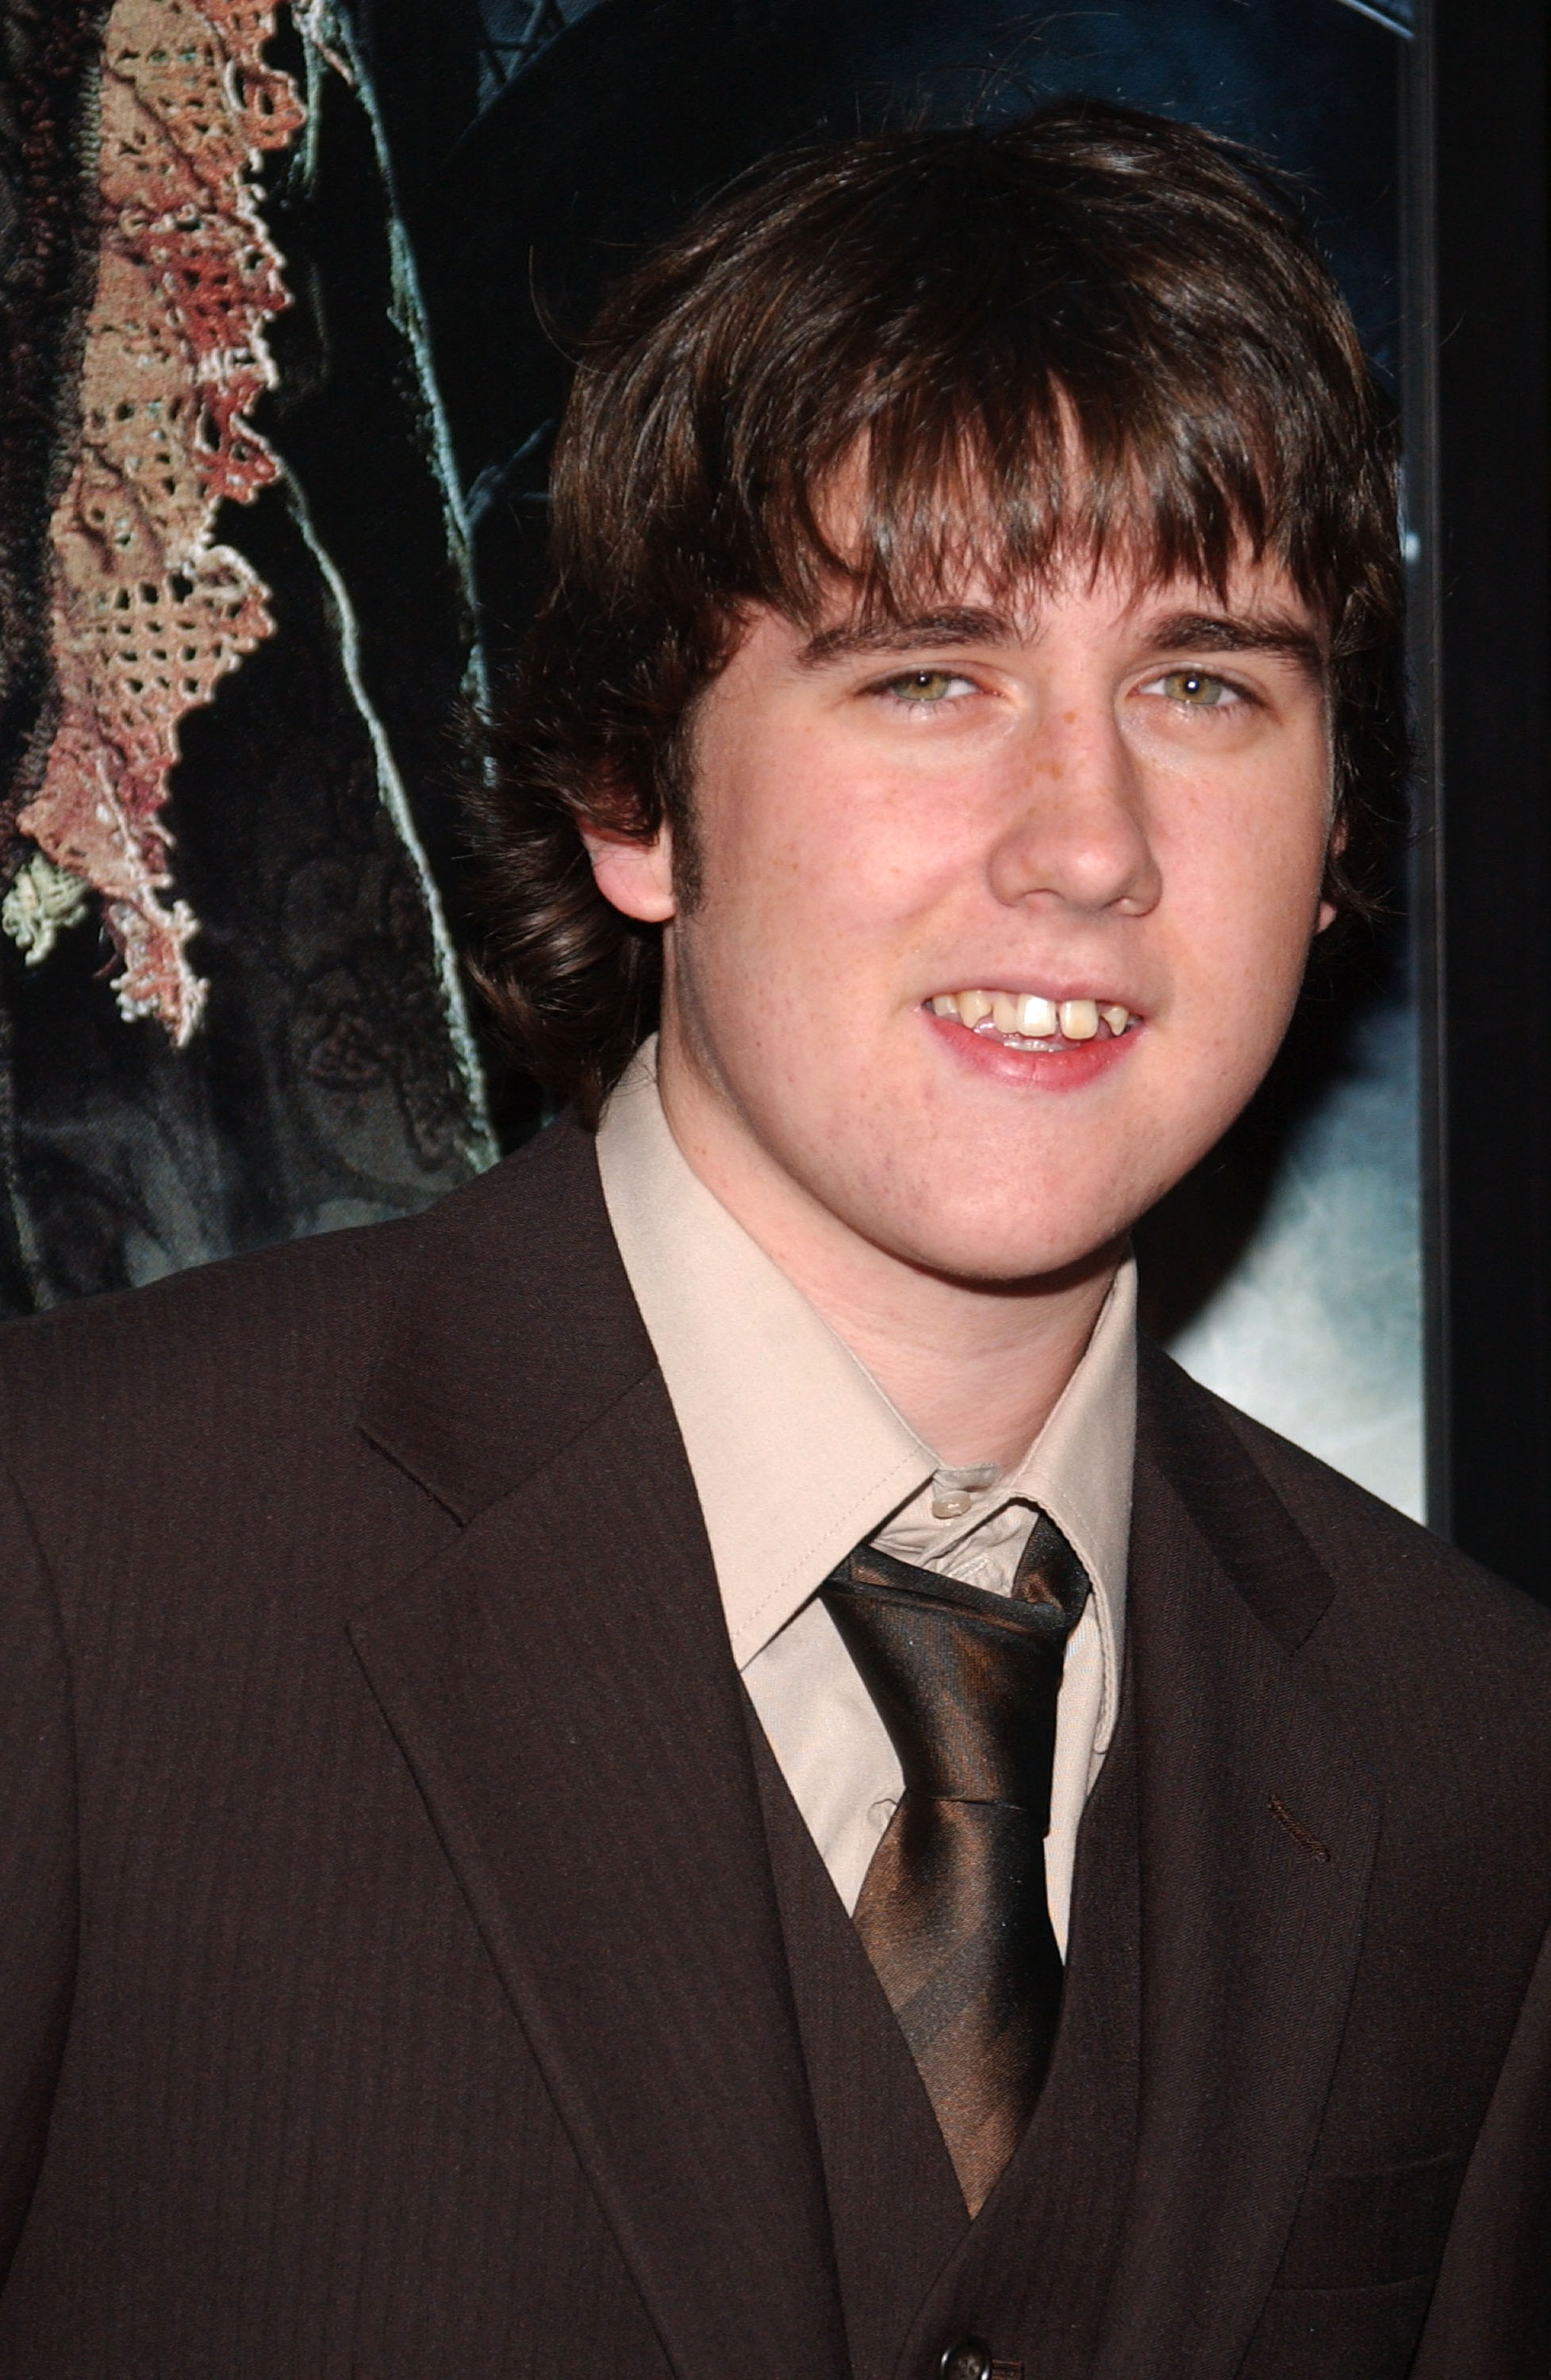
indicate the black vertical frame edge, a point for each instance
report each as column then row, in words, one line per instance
column 1419, row 413
column 1478, row 399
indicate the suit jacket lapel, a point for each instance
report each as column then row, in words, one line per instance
column 561, row 1688
column 1258, row 1829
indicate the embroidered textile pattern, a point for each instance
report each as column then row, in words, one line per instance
column 148, row 612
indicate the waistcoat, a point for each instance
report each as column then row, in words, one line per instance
column 1029, row 2274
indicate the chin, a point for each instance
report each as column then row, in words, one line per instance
column 1001, row 1258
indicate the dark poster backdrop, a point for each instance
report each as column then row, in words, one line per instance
column 271, row 505
column 1480, row 413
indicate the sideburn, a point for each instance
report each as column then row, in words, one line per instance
column 676, row 791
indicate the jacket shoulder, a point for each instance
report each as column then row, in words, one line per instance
column 256, row 1377
column 1426, row 1657
column 1430, row 1665
column 1357, row 1535
column 306, row 1313
column 309, row 1307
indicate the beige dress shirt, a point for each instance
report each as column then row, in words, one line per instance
column 798, row 1456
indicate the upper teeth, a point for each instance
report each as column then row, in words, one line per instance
column 1029, row 1014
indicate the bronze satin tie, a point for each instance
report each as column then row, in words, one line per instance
column 952, row 1910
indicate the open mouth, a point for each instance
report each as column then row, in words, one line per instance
column 1026, row 1020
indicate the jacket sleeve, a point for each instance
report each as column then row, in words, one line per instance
column 1491, row 2312
column 38, row 1860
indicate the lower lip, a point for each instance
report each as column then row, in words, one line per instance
column 1043, row 1070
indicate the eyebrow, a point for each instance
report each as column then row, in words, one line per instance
column 960, row 626
column 1243, row 632
column 1274, row 632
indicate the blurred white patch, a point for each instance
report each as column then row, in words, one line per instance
column 1317, row 1331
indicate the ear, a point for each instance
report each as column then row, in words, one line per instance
column 636, row 878
column 1326, row 914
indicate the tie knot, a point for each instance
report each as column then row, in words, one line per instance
column 965, row 1682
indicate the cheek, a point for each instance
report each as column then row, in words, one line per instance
column 811, row 852
column 1246, row 887
column 764, row 888
column 1235, row 966
column 751, row 957
column 1248, row 986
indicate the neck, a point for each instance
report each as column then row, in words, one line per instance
column 976, row 1372
column 974, row 1367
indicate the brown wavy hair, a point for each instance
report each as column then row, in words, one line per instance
column 1090, row 332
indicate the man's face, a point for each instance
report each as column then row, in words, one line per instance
column 1000, row 922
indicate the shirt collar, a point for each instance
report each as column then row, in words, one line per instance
column 1078, row 1470
column 795, row 1451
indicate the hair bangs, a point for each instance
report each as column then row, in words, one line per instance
column 1003, row 501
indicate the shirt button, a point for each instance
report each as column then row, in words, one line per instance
column 970, row 2360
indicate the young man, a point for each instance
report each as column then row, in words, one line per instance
column 689, row 1765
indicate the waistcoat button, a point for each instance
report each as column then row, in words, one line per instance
column 970, row 2360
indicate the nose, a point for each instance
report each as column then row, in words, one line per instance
column 1073, row 828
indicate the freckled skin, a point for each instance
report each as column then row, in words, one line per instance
column 1046, row 813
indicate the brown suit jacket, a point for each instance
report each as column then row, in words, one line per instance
column 394, row 1978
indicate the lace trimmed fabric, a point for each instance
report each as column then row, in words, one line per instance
column 147, row 613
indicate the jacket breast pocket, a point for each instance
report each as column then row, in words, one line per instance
column 1368, row 2334
column 1358, row 2230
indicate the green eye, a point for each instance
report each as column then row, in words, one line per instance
column 1196, row 688
column 923, row 686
